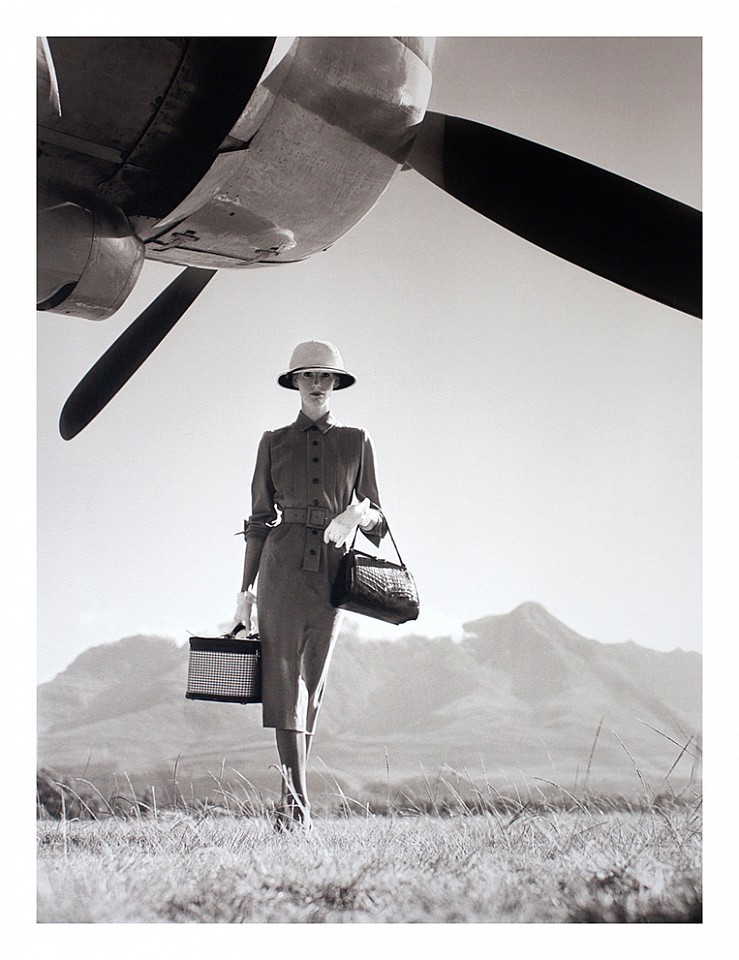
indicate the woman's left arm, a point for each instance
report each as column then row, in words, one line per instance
column 366, row 513
column 367, row 488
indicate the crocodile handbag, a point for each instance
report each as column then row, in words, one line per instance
column 226, row 668
column 374, row 587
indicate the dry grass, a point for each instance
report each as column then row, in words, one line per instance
column 562, row 860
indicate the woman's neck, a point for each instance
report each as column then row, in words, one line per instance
column 314, row 411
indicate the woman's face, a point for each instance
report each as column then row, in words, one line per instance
column 315, row 386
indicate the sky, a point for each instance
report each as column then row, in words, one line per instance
column 537, row 428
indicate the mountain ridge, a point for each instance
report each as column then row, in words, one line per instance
column 520, row 692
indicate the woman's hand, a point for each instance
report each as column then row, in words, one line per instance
column 343, row 526
column 245, row 603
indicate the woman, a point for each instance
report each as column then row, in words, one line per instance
column 314, row 484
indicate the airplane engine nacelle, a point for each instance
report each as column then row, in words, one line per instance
column 89, row 258
column 127, row 126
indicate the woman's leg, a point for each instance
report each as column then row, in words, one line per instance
column 291, row 746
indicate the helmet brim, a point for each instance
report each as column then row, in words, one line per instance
column 345, row 379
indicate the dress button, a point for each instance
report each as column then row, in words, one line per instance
column 316, row 480
column 315, row 459
column 313, row 553
column 315, row 443
column 314, row 532
column 315, row 503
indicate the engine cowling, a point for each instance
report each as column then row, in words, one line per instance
column 89, row 258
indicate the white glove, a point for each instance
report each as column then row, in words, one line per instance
column 245, row 613
column 343, row 526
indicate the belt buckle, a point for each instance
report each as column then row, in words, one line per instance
column 316, row 517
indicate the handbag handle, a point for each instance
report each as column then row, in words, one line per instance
column 231, row 635
column 356, row 531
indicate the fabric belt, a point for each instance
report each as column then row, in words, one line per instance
column 316, row 517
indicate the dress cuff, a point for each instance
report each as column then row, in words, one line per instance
column 256, row 530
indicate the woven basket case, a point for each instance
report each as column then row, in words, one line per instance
column 225, row 669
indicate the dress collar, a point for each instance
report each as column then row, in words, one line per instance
column 323, row 424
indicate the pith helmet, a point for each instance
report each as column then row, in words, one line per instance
column 316, row 355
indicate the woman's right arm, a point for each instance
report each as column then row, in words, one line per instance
column 263, row 515
column 252, row 556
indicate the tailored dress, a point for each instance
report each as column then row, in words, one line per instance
column 306, row 474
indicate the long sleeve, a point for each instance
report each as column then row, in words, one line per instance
column 263, row 514
column 367, row 487
column 263, row 509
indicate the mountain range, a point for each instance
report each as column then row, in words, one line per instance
column 522, row 697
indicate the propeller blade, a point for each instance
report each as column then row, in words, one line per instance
column 123, row 358
column 613, row 227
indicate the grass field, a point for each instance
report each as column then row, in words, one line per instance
column 562, row 860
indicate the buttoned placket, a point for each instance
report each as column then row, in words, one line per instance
column 315, row 486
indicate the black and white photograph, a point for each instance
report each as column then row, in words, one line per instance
column 369, row 478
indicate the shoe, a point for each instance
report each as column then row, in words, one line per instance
column 281, row 818
column 304, row 821
column 290, row 816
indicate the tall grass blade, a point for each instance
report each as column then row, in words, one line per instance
column 592, row 752
column 661, row 734
column 647, row 789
